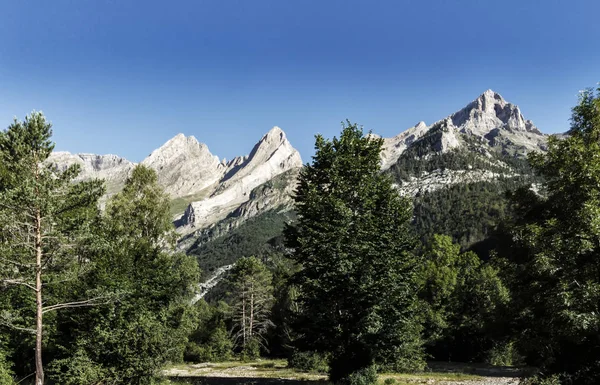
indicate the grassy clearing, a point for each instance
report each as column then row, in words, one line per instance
column 178, row 205
column 278, row 369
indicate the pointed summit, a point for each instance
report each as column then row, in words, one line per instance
column 275, row 134
column 272, row 151
column 184, row 165
column 490, row 111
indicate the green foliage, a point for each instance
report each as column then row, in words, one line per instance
column 364, row 376
column 553, row 254
column 504, row 354
column 257, row 236
column 251, row 299
column 312, row 362
column 251, row 350
column 47, row 224
column 77, row 369
column 543, row 380
column 357, row 288
column 6, row 374
column 210, row 341
column 128, row 340
column 285, row 309
column 389, row 381
column 463, row 299
column 468, row 212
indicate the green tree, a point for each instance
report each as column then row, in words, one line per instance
column 6, row 375
column 46, row 221
column 251, row 303
column 463, row 300
column 553, row 263
column 353, row 242
column 127, row 342
column 210, row 340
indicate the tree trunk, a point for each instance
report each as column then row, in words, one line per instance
column 251, row 327
column 244, row 317
column 39, row 368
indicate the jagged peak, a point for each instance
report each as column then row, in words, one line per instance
column 491, row 93
column 271, row 141
column 86, row 155
column 421, row 124
column 275, row 133
column 489, row 111
column 181, row 139
column 180, row 142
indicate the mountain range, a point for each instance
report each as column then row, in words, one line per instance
column 457, row 166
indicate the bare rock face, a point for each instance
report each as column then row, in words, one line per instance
column 187, row 170
column 499, row 122
column 270, row 157
column 489, row 131
column 185, row 166
column 394, row 147
column 113, row 169
column 489, row 119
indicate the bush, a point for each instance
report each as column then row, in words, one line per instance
column 216, row 348
column 78, row 369
column 6, row 375
column 540, row 380
column 251, row 351
column 365, row 376
column 504, row 354
column 311, row 362
column 389, row 381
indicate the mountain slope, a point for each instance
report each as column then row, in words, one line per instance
column 204, row 189
column 459, row 168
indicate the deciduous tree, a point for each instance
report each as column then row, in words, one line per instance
column 554, row 258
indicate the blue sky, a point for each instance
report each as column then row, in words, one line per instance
column 123, row 77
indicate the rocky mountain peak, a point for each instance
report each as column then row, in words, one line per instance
column 421, row 125
column 179, row 146
column 184, row 165
column 488, row 112
column 490, row 119
column 271, row 140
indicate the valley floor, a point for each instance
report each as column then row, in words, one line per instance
column 271, row 372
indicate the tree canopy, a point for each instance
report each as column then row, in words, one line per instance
column 354, row 245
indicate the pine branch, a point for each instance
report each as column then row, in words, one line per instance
column 26, row 265
column 6, row 320
column 85, row 303
column 8, row 281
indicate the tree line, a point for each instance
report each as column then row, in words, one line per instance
column 98, row 297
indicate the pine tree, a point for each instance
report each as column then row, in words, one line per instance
column 46, row 221
column 353, row 243
column 252, row 300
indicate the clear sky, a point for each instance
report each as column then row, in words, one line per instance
column 123, row 76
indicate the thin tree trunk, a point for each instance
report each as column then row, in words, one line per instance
column 244, row 317
column 251, row 309
column 39, row 368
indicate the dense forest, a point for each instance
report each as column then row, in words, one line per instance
column 356, row 281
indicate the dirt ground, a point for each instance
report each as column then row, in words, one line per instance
column 271, row 372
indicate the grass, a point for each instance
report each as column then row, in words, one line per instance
column 278, row 369
column 428, row 377
column 178, row 205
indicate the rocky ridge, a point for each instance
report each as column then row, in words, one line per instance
column 484, row 141
column 489, row 129
column 213, row 189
